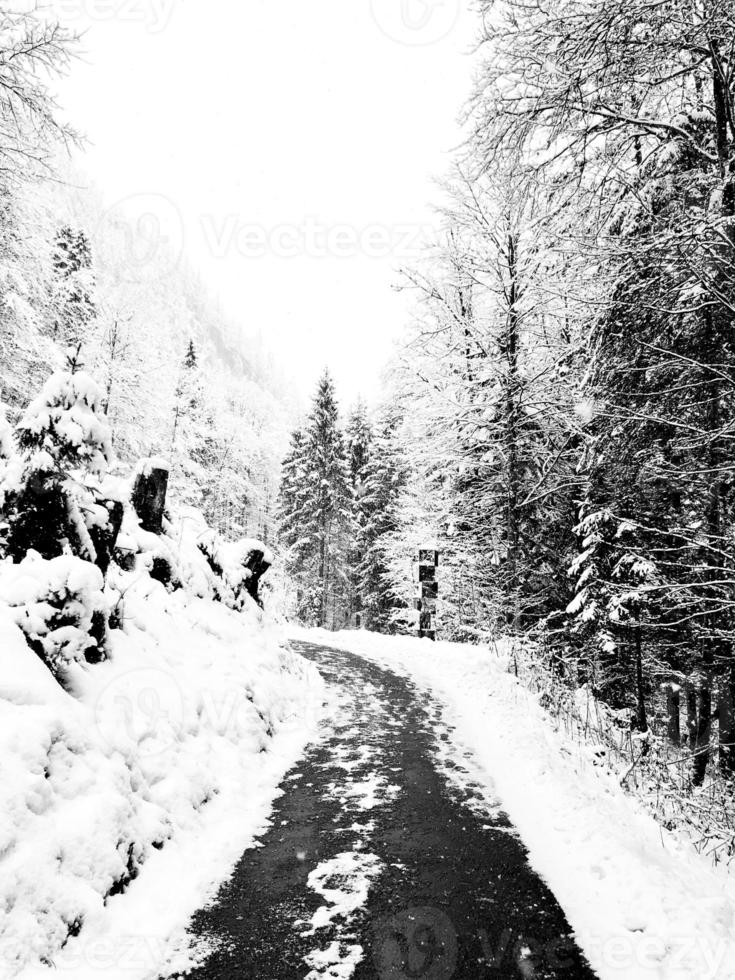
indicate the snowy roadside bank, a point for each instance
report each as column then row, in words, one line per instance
column 642, row 904
column 148, row 707
column 126, row 802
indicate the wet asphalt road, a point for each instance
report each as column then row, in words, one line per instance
column 383, row 802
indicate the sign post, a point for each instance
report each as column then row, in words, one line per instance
column 428, row 593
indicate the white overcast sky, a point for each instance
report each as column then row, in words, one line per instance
column 294, row 121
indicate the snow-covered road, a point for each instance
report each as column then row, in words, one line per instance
column 387, row 857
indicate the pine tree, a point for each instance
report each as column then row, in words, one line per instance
column 358, row 435
column 384, row 480
column 65, row 448
column 190, row 361
column 358, row 438
column 291, row 514
column 328, row 518
column 193, row 432
column 316, row 514
column 75, row 309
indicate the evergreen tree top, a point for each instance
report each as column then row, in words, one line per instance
column 190, row 361
column 72, row 252
column 65, row 425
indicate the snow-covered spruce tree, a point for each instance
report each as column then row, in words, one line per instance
column 60, row 527
column 383, row 480
column 612, row 613
column 657, row 465
column 191, row 430
column 300, row 560
column 640, row 504
column 191, row 360
column 317, row 523
column 329, row 523
column 358, row 438
column 65, row 447
column 73, row 292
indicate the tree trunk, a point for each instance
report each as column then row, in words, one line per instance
column 641, row 717
column 702, row 730
column 104, row 538
column 727, row 721
column 712, row 558
column 673, row 712
column 324, row 611
column 511, row 433
column 691, row 701
column 149, row 497
column 724, row 115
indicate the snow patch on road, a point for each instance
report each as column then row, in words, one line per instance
column 360, row 788
column 344, row 883
column 642, row 903
column 337, row 962
column 366, row 793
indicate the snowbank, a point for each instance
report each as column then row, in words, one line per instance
column 642, row 903
column 127, row 794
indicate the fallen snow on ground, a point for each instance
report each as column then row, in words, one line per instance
column 354, row 726
column 337, row 962
column 161, row 762
column 643, row 905
column 344, row 884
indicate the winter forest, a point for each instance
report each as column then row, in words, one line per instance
column 209, row 580
column 559, row 424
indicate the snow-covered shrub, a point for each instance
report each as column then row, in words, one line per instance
column 66, row 450
column 60, row 607
column 237, row 565
column 156, row 556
